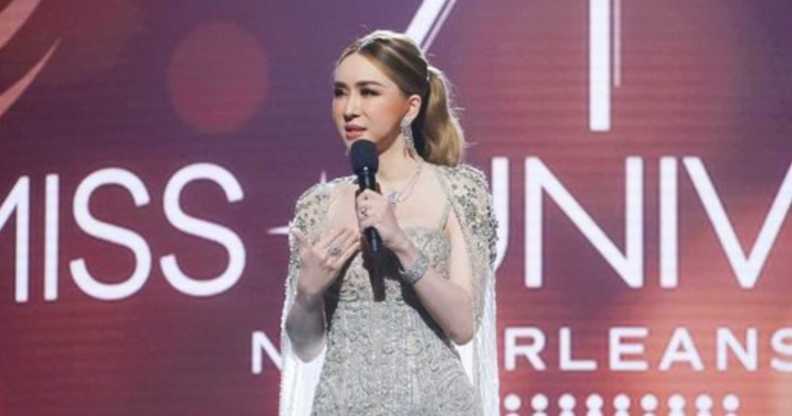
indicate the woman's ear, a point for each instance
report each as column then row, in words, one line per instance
column 414, row 107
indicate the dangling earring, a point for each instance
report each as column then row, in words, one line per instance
column 406, row 131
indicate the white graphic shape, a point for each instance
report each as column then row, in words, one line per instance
column 428, row 20
column 12, row 18
column 599, row 65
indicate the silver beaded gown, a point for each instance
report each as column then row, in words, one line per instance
column 388, row 356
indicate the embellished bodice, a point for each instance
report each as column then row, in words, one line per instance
column 389, row 357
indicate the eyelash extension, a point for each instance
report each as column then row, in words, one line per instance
column 338, row 92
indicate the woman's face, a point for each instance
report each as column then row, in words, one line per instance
column 367, row 104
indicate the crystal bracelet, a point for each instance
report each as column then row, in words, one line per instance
column 416, row 271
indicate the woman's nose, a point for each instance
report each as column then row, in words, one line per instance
column 352, row 108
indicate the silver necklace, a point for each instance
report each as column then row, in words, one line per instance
column 394, row 197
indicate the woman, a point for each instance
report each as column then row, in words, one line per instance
column 345, row 353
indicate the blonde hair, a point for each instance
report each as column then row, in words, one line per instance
column 438, row 136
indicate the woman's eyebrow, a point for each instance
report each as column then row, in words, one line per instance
column 367, row 83
column 359, row 84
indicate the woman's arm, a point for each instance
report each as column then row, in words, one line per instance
column 448, row 301
column 305, row 325
column 313, row 268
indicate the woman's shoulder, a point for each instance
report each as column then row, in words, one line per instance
column 321, row 192
column 312, row 206
column 469, row 188
column 464, row 173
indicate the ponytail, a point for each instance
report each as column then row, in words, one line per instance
column 440, row 137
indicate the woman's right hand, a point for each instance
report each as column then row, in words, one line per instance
column 322, row 262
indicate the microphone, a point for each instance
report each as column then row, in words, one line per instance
column 365, row 162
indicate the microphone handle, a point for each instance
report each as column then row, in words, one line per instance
column 366, row 180
column 374, row 240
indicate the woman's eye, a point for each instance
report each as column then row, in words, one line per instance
column 368, row 92
column 338, row 92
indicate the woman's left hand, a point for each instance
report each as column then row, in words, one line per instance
column 374, row 210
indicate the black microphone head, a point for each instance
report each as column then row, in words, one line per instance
column 363, row 154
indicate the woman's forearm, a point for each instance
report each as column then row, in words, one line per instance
column 305, row 325
column 448, row 303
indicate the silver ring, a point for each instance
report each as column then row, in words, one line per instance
column 334, row 251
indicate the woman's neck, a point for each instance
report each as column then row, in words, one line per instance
column 396, row 164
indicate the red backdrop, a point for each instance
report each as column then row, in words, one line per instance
column 639, row 154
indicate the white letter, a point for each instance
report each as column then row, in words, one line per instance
column 200, row 228
column 500, row 202
column 567, row 362
column 747, row 356
column 19, row 200
column 628, row 266
column 668, row 223
column 746, row 270
column 112, row 233
column 531, row 352
column 599, row 65
column 258, row 342
column 618, row 349
column 51, row 239
column 681, row 348
column 782, row 347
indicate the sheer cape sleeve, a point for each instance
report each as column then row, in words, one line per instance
column 468, row 192
column 298, row 378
